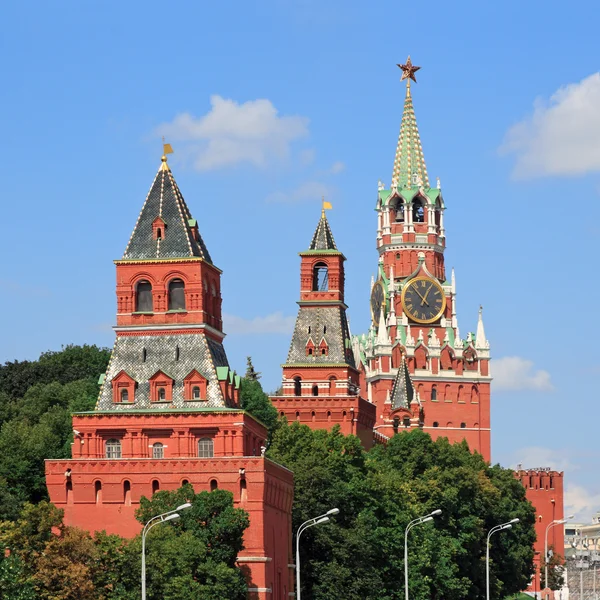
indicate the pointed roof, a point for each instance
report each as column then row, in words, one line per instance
column 480, row 339
column 180, row 238
column 409, row 160
column 323, row 238
column 403, row 391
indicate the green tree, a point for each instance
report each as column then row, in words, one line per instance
column 251, row 373
column 257, row 403
column 556, row 570
column 360, row 554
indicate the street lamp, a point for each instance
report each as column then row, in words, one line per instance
column 493, row 530
column 310, row 523
column 413, row 523
column 556, row 522
column 168, row 516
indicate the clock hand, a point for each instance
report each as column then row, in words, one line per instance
column 427, row 293
column 420, row 296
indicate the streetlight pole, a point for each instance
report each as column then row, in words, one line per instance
column 168, row 516
column 556, row 522
column 493, row 530
column 413, row 523
column 310, row 523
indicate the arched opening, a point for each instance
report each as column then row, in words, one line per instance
column 420, row 358
column 158, row 450
column 196, row 392
column 418, row 211
column 69, row 490
column 474, row 395
column 155, row 486
column 243, row 490
column 124, row 395
column 399, row 211
column 315, row 390
column 438, row 214
column 297, row 415
column 98, row 492
column 185, row 482
column 162, row 394
column 329, row 415
column 213, row 485
column 463, row 425
column 297, row 386
column 406, row 422
column 176, row 294
column 313, row 416
column 113, row 448
column 127, row 493
column 434, row 393
column 205, row 448
column 143, row 297
column 159, row 233
column 396, row 424
column 461, row 393
column 320, row 277
column 436, row 424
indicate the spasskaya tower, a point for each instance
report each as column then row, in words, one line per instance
column 413, row 307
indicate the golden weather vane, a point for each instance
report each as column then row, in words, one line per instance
column 325, row 206
column 167, row 149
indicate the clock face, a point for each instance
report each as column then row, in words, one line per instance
column 423, row 300
column 377, row 300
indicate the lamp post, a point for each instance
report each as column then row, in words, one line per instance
column 414, row 523
column 493, row 530
column 556, row 522
column 168, row 516
column 310, row 523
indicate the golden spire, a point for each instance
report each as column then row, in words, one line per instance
column 167, row 149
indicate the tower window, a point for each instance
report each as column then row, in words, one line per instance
column 315, row 390
column 406, row 422
column 205, row 448
column 418, row 211
column 155, row 486
column 162, row 394
column 158, row 450
column 323, row 351
column 159, row 233
column 400, row 211
column 124, row 395
column 213, row 485
column 98, row 492
column 297, row 386
column 127, row 493
column 176, row 294
column 113, row 448
column 434, row 393
column 463, row 425
column 196, row 393
column 396, row 424
column 143, row 297
column 436, row 424
column 320, row 277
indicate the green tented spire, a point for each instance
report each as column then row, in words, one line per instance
column 409, row 163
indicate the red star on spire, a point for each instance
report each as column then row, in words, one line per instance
column 409, row 70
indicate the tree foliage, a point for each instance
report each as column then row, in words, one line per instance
column 360, row 554
column 556, row 570
column 256, row 402
column 193, row 559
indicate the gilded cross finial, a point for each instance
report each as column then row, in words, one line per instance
column 408, row 73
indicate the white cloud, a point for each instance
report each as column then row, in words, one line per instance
column 273, row 323
column 538, row 456
column 232, row 133
column 580, row 502
column 561, row 136
column 307, row 191
column 337, row 167
column 516, row 373
column 307, row 157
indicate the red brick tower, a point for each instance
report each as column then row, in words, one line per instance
column 320, row 379
column 413, row 307
column 167, row 412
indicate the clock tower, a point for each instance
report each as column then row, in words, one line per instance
column 413, row 307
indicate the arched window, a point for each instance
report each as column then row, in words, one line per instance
column 463, row 425
column 320, row 277
column 205, row 448
column 127, row 493
column 243, row 490
column 434, row 393
column 436, row 424
column 418, row 211
column 176, row 294
column 196, row 393
column 400, row 211
column 185, row 482
column 406, row 422
column 98, row 492
column 155, row 486
column 213, row 485
column 143, row 297
column 313, row 416
column 124, row 395
column 396, row 424
column 315, row 390
column 69, row 492
column 113, row 448
column 158, row 450
column 297, row 386
column 162, row 394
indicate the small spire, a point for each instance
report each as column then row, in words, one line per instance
column 480, row 340
column 403, row 391
column 323, row 238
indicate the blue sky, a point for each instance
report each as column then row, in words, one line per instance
column 270, row 105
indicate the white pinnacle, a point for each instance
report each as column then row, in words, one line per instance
column 480, row 340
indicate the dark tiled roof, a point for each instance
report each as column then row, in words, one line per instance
column 403, row 391
column 323, row 238
column 195, row 352
column 164, row 200
column 328, row 323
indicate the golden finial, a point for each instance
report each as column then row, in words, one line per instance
column 167, row 149
column 408, row 73
column 324, row 206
